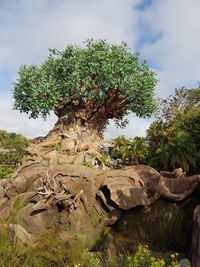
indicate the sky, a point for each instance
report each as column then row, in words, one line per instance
column 165, row 32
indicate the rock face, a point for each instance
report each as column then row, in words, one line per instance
column 164, row 226
column 81, row 200
column 195, row 245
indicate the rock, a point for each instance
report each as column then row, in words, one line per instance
column 162, row 225
column 18, row 232
column 68, row 144
column 19, row 183
column 89, row 160
column 179, row 173
column 50, row 195
column 185, row 263
column 82, row 147
column 80, row 159
column 195, row 245
column 66, row 158
column 106, row 148
column 125, row 192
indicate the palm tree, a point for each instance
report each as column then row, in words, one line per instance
column 179, row 151
column 131, row 150
column 139, row 150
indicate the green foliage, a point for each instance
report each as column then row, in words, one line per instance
column 94, row 73
column 14, row 142
column 130, row 150
column 144, row 258
column 8, row 250
column 179, row 151
column 6, row 171
column 9, row 159
column 12, row 148
column 173, row 139
column 180, row 103
column 47, row 250
column 54, row 146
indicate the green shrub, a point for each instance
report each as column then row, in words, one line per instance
column 54, row 146
column 6, row 171
column 144, row 258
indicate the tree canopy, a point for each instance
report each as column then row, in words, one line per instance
column 173, row 139
column 97, row 77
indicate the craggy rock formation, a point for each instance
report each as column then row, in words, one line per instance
column 82, row 201
column 165, row 226
column 195, row 246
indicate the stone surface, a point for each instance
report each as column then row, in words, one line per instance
column 81, row 200
column 185, row 263
column 195, row 245
column 19, row 233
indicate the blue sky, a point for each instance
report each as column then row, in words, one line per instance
column 165, row 32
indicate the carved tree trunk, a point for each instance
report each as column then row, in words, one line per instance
column 74, row 132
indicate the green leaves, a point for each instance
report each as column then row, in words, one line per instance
column 88, row 73
column 130, row 150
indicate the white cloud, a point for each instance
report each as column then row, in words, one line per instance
column 176, row 51
column 136, row 127
column 13, row 121
column 29, row 28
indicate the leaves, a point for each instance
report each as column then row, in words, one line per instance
column 90, row 73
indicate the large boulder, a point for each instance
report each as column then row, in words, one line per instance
column 79, row 200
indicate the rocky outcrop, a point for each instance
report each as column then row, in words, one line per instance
column 195, row 245
column 164, row 226
column 81, row 200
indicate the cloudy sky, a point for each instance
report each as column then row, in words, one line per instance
column 165, row 32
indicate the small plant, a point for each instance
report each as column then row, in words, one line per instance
column 144, row 258
column 89, row 164
column 54, row 146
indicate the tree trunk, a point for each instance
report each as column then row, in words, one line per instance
column 80, row 129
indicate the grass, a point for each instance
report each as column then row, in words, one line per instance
column 48, row 250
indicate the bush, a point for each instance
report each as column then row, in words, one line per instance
column 144, row 258
column 6, row 171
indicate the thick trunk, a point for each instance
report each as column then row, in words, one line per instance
column 82, row 128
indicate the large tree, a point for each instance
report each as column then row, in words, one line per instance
column 86, row 86
column 173, row 139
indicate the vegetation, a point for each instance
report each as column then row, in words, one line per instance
column 131, row 151
column 12, row 149
column 94, row 83
column 54, row 146
column 172, row 140
column 48, row 250
column 45, row 251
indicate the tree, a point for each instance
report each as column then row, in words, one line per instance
column 132, row 151
column 179, row 151
column 86, row 86
column 176, row 114
column 140, row 149
column 180, row 103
